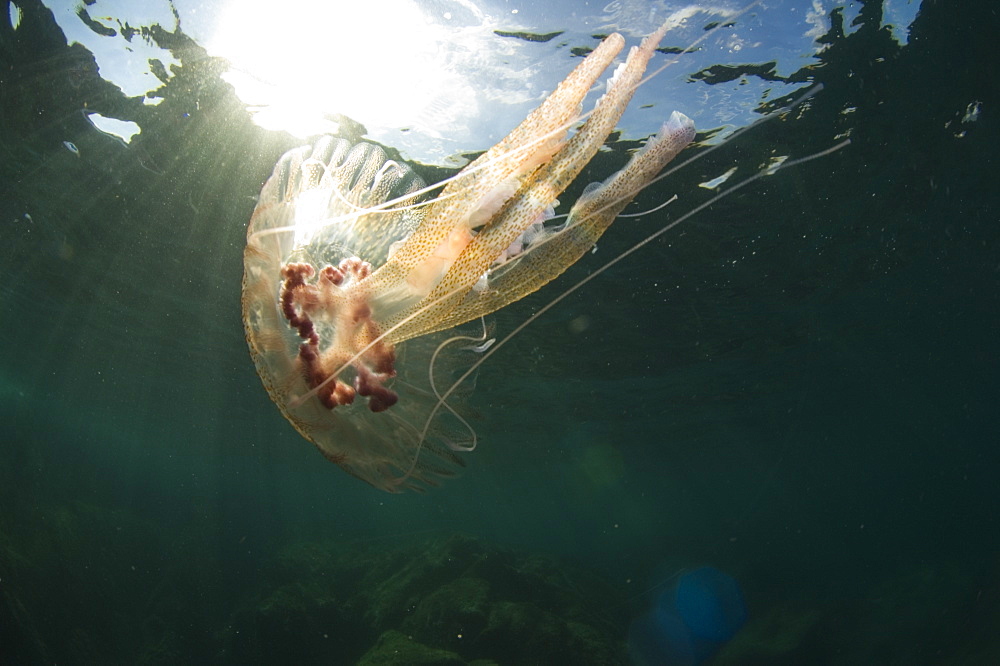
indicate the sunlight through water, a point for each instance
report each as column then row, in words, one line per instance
column 299, row 64
column 439, row 79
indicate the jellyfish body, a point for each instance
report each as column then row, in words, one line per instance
column 353, row 284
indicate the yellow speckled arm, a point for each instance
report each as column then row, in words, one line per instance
column 450, row 302
column 588, row 220
column 540, row 135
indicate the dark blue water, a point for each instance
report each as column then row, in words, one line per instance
column 798, row 387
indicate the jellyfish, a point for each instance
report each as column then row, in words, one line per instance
column 363, row 298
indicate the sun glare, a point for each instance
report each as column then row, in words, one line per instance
column 297, row 62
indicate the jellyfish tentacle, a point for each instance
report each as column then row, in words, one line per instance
column 551, row 254
column 589, row 218
column 594, row 212
column 538, row 192
column 481, row 189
